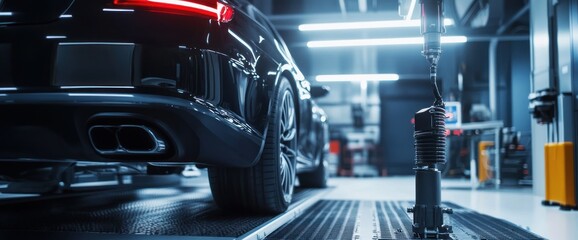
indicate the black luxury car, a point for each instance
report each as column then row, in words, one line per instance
column 165, row 82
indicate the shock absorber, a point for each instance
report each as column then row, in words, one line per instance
column 429, row 134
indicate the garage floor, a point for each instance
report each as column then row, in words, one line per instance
column 516, row 205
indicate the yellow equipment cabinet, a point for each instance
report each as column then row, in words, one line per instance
column 485, row 169
column 560, row 175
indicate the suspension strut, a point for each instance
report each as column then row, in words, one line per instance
column 429, row 134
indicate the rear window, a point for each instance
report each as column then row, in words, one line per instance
column 31, row 11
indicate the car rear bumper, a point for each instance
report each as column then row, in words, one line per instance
column 55, row 126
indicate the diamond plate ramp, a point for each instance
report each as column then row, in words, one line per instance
column 162, row 212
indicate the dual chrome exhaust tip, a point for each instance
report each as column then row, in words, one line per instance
column 126, row 139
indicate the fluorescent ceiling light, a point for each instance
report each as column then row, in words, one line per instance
column 410, row 10
column 381, row 41
column 366, row 25
column 356, row 77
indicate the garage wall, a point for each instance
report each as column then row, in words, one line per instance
column 399, row 102
column 520, row 88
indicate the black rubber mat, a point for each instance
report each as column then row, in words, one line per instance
column 336, row 219
column 172, row 211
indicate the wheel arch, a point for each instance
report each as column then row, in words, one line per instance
column 293, row 83
column 285, row 72
column 271, row 83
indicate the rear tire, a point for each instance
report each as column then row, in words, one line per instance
column 266, row 187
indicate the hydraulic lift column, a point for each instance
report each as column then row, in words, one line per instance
column 429, row 134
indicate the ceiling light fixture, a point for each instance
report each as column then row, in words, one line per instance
column 357, row 77
column 366, row 25
column 410, row 10
column 381, row 42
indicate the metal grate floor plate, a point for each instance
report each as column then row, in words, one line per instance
column 171, row 211
column 340, row 219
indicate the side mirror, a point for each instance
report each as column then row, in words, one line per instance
column 319, row 91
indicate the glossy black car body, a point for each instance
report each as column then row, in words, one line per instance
column 131, row 80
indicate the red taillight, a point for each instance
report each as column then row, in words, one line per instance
column 210, row 8
column 225, row 12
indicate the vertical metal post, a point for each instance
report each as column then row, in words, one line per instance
column 497, row 160
column 492, row 77
column 473, row 164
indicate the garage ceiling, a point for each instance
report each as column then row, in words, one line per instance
column 480, row 20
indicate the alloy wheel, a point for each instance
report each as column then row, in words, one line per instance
column 288, row 141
